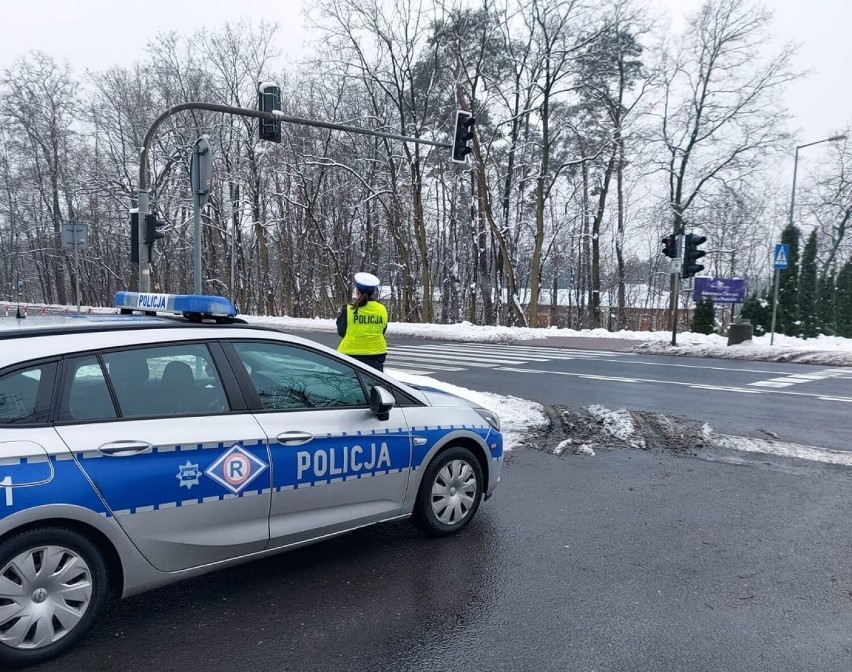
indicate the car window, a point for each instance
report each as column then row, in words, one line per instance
column 289, row 378
column 19, row 396
column 402, row 399
column 88, row 396
column 168, row 380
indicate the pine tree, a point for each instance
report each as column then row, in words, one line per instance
column 758, row 310
column 843, row 300
column 826, row 304
column 788, row 292
column 809, row 327
column 703, row 320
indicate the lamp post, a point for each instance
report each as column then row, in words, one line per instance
column 833, row 138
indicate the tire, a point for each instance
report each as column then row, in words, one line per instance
column 450, row 492
column 58, row 581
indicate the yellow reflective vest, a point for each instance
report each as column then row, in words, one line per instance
column 365, row 332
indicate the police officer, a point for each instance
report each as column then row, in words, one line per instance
column 362, row 324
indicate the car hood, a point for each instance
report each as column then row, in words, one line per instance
column 437, row 397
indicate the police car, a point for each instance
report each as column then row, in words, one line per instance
column 140, row 449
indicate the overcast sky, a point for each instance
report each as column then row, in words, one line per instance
column 96, row 34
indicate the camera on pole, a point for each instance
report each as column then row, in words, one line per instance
column 691, row 254
column 463, row 135
column 670, row 246
column 269, row 100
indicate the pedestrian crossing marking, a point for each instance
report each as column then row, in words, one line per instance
column 796, row 378
column 428, row 358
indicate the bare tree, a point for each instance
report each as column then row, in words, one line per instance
column 721, row 111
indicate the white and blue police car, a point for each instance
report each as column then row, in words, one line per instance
column 141, row 449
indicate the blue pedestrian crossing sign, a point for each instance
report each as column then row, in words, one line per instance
column 782, row 256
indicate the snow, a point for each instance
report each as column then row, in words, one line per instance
column 618, row 424
column 784, row 449
column 517, row 416
column 462, row 331
column 823, row 350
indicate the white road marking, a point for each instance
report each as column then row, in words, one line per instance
column 501, row 357
column 592, row 376
column 458, row 361
column 390, row 366
column 795, row 378
column 411, row 361
column 544, row 351
column 724, row 389
column 674, row 382
column 848, row 401
column 479, row 355
column 451, row 357
column 749, row 445
column 509, row 351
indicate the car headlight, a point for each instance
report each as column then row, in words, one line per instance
column 489, row 416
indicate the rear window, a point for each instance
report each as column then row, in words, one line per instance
column 20, row 392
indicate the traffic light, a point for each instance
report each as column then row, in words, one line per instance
column 691, row 254
column 134, row 237
column 269, row 100
column 463, row 135
column 152, row 229
column 670, row 247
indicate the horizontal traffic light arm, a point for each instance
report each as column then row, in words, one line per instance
column 144, row 178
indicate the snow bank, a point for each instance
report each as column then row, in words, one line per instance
column 517, row 416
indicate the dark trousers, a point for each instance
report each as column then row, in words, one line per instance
column 376, row 361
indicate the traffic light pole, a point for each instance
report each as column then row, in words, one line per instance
column 144, row 177
column 676, row 302
column 676, row 264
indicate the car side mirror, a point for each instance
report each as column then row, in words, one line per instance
column 381, row 402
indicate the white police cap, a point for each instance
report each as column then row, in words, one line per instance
column 366, row 282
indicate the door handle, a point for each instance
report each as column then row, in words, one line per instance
column 122, row 448
column 294, row 438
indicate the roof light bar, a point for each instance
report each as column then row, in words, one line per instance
column 184, row 304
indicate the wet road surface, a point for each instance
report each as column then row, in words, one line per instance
column 629, row 560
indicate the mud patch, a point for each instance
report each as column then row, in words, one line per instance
column 593, row 429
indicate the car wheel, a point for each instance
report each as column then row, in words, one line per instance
column 53, row 585
column 450, row 492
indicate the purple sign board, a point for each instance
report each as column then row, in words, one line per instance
column 721, row 290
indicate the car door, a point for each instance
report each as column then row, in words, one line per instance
column 164, row 436
column 335, row 465
column 34, row 469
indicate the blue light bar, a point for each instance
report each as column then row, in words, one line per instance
column 183, row 304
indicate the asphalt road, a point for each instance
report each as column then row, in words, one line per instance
column 799, row 403
column 628, row 560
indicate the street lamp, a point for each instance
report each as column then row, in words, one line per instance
column 833, row 138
